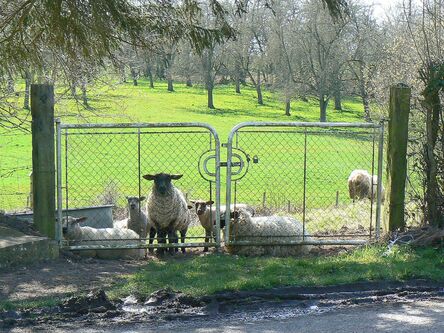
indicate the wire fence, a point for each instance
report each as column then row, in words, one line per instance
column 302, row 172
column 101, row 166
column 15, row 169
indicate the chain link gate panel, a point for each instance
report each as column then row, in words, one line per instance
column 301, row 170
column 100, row 165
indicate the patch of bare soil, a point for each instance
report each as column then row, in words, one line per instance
column 63, row 276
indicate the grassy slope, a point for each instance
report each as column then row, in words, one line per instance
column 126, row 103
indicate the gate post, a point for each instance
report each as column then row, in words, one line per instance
column 397, row 155
column 43, row 167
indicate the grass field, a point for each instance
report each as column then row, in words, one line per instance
column 104, row 167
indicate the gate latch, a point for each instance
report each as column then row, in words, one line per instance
column 233, row 164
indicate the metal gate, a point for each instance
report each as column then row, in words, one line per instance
column 301, row 170
column 99, row 165
column 298, row 170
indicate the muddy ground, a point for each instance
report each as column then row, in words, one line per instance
column 169, row 309
column 72, row 275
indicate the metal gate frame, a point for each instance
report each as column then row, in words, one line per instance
column 310, row 241
column 60, row 127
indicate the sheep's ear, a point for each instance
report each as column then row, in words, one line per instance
column 149, row 177
column 210, row 202
column 189, row 206
column 142, row 198
column 176, row 176
column 80, row 219
column 193, row 201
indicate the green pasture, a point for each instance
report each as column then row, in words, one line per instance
column 103, row 164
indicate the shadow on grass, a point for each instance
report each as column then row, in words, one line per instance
column 213, row 273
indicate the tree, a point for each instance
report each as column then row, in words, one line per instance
column 323, row 52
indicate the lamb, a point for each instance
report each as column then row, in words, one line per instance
column 167, row 209
column 74, row 232
column 205, row 215
column 137, row 220
column 362, row 185
column 266, row 229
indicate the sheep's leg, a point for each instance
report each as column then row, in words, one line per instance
column 176, row 241
column 172, row 238
column 207, row 239
column 183, row 233
column 151, row 241
column 161, row 239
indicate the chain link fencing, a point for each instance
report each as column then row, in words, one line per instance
column 99, row 166
column 301, row 170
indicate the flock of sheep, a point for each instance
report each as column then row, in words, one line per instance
column 168, row 214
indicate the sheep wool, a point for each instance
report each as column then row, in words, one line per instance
column 359, row 184
column 118, row 237
column 266, row 229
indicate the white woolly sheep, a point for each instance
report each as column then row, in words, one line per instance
column 207, row 217
column 362, row 185
column 359, row 184
column 167, row 209
column 266, row 229
column 74, row 232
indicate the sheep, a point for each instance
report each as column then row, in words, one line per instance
column 167, row 209
column 359, row 184
column 74, row 232
column 362, row 185
column 137, row 220
column 205, row 214
column 266, row 229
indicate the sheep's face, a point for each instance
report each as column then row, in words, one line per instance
column 134, row 202
column 70, row 222
column 162, row 181
column 201, row 206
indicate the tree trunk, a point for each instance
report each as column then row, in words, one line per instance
column 433, row 195
column 10, row 84
column 323, row 103
column 134, row 75
column 364, row 94
column 210, row 96
column 73, row 89
column 170, row 84
column 287, row 106
column 28, row 82
column 150, row 76
column 259, row 89
column 84, row 95
column 338, row 99
column 238, row 91
column 367, row 113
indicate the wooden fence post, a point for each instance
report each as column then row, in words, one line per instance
column 43, row 162
column 397, row 155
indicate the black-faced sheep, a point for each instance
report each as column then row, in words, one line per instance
column 167, row 209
